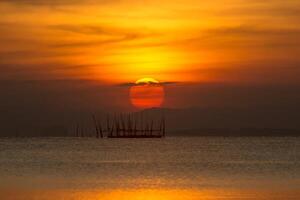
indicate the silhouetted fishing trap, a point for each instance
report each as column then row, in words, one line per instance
column 126, row 126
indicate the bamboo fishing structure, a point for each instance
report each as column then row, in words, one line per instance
column 125, row 126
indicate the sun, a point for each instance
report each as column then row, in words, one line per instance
column 147, row 80
column 147, row 93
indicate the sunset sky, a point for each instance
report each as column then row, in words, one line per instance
column 118, row 41
column 66, row 56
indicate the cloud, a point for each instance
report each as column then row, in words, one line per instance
column 96, row 34
column 234, row 36
column 274, row 11
column 9, row 56
column 263, row 72
column 43, row 71
column 243, row 36
column 148, row 83
column 112, row 34
column 88, row 29
column 57, row 2
column 252, row 30
column 92, row 42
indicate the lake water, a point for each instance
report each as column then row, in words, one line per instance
column 164, row 169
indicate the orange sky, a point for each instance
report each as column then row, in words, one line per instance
column 118, row 41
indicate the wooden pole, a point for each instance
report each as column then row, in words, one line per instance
column 164, row 127
column 142, row 124
column 107, row 125
column 118, row 125
column 81, row 131
column 151, row 127
column 77, row 129
column 100, row 129
column 96, row 126
column 135, row 124
column 123, row 125
column 129, row 125
column 160, row 127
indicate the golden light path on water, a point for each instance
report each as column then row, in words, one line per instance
column 150, row 194
column 173, row 168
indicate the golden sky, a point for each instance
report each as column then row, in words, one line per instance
column 117, row 41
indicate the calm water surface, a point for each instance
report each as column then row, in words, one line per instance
column 170, row 168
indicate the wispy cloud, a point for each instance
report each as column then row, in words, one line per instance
column 57, row 2
column 112, row 34
column 89, row 29
column 252, row 30
column 242, row 36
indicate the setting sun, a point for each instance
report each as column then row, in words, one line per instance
column 147, row 93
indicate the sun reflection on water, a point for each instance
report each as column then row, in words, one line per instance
column 147, row 194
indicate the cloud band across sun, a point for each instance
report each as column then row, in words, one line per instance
column 149, row 83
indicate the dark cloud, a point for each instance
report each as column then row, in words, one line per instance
column 43, row 71
column 264, row 72
column 148, row 83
